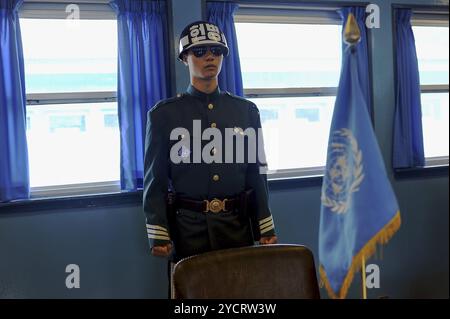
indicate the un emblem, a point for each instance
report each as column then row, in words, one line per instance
column 344, row 171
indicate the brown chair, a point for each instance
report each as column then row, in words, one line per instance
column 258, row 272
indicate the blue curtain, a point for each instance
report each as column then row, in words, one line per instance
column 362, row 58
column 230, row 78
column 14, row 175
column 142, row 79
column 408, row 139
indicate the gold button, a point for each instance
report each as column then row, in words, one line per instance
column 216, row 178
column 210, row 106
column 213, row 125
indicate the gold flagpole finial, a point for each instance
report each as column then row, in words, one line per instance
column 352, row 34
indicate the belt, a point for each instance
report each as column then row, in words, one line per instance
column 215, row 205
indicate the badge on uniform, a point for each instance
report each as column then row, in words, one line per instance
column 184, row 152
column 238, row 130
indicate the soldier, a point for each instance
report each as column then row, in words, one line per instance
column 194, row 206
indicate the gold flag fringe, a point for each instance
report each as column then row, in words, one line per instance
column 382, row 237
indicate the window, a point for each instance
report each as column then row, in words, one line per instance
column 111, row 120
column 292, row 77
column 432, row 53
column 268, row 114
column 65, row 121
column 71, row 82
column 311, row 115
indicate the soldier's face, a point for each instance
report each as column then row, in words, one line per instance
column 205, row 67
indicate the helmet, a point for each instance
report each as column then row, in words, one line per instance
column 201, row 33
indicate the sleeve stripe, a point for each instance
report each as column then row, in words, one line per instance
column 158, row 237
column 157, row 232
column 265, row 220
column 157, row 227
column 266, row 229
column 266, row 224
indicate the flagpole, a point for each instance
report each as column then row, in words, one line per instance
column 363, row 275
column 352, row 35
column 354, row 166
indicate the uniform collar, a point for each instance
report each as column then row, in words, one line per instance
column 205, row 97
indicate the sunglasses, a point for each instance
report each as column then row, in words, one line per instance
column 201, row 50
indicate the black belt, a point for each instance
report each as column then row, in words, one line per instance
column 216, row 205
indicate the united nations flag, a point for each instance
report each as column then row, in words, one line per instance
column 359, row 209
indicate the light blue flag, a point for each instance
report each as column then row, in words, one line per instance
column 359, row 209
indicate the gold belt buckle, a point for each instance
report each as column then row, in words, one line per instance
column 215, row 206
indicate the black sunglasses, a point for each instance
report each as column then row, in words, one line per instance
column 201, row 50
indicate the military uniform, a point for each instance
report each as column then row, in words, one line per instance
column 194, row 232
column 202, row 204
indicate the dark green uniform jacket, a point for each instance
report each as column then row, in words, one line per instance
column 195, row 232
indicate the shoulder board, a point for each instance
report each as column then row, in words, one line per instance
column 167, row 101
column 241, row 99
column 238, row 97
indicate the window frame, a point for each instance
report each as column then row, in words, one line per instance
column 55, row 9
column 431, row 18
column 290, row 14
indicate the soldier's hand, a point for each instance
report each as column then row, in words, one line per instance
column 162, row 251
column 268, row 240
